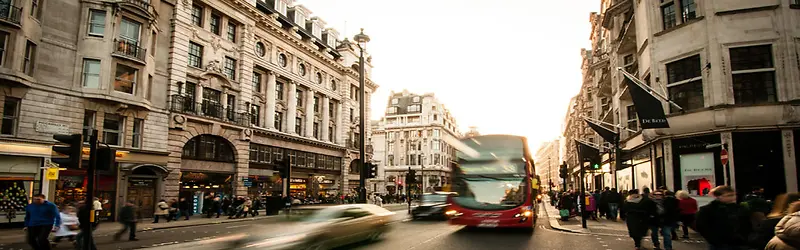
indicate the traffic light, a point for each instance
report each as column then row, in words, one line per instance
column 563, row 171
column 411, row 177
column 106, row 158
column 73, row 150
column 372, row 170
column 283, row 167
column 595, row 166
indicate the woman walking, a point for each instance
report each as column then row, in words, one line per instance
column 162, row 209
column 69, row 226
column 637, row 217
column 688, row 209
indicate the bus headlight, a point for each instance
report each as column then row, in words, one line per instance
column 524, row 212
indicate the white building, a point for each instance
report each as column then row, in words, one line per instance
column 547, row 163
column 410, row 136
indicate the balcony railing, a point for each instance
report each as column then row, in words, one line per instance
column 142, row 4
column 187, row 105
column 10, row 13
column 129, row 48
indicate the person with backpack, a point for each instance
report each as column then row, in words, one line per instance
column 723, row 223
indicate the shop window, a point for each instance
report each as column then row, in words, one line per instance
column 697, row 173
column 10, row 116
column 209, row 148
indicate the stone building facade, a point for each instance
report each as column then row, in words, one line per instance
column 412, row 135
column 547, row 164
column 732, row 66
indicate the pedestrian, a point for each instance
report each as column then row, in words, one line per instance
column 664, row 219
column 623, row 195
column 84, row 218
column 173, row 209
column 688, row 209
column 41, row 218
column 256, row 206
column 565, row 206
column 766, row 230
column 787, row 232
column 637, row 217
column 127, row 216
column 591, row 207
column 70, row 226
column 215, row 208
column 98, row 211
column 162, row 209
column 184, row 208
column 602, row 203
column 723, row 223
column 614, row 199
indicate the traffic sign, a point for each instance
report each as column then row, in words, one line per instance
column 723, row 157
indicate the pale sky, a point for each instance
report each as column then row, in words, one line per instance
column 505, row 66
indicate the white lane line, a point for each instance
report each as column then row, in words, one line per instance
column 437, row 236
column 237, row 226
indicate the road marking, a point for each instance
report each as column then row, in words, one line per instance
column 235, row 226
column 437, row 236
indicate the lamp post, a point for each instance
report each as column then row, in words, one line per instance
column 361, row 40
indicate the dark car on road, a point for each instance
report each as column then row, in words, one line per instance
column 432, row 205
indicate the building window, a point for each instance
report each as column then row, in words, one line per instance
column 136, row 138
column 628, row 64
column 298, row 125
column 29, row 60
column 685, row 83
column 210, row 148
column 112, row 129
column 3, row 40
column 395, row 101
column 316, row 130
column 354, row 93
column 330, row 133
column 260, row 49
column 316, row 104
column 282, row 60
column 331, row 108
column 278, row 121
column 302, row 69
column 668, row 14
column 231, row 108
column 298, row 98
column 633, row 119
column 129, row 31
column 257, row 82
column 91, row 73
column 125, row 79
column 195, row 55
column 753, row 73
column 352, row 115
column 318, row 78
column 215, row 21
column 279, row 90
column 255, row 114
column 391, row 110
column 230, row 68
column 688, row 10
column 333, row 85
column 36, row 9
column 231, row 31
column 197, row 15
column 415, row 99
column 414, row 108
column 88, row 124
column 97, row 22
column 10, row 116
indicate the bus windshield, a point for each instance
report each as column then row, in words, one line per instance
column 489, row 192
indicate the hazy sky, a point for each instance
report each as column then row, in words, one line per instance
column 505, row 66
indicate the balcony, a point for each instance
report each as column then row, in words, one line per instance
column 130, row 49
column 10, row 13
column 186, row 105
column 141, row 5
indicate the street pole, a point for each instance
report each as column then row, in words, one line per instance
column 88, row 240
column 582, row 188
column 422, row 172
column 362, row 191
column 408, row 189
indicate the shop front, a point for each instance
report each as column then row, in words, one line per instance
column 642, row 169
column 696, row 167
column 20, row 178
column 194, row 186
column 70, row 188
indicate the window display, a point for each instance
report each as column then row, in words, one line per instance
column 697, row 173
column 14, row 196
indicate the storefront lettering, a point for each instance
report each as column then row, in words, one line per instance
column 326, row 182
column 141, row 182
column 787, row 141
column 51, row 128
column 297, row 180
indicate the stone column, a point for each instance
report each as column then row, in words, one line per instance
column 326, row 119
column 337, row 135
column 291, row 110
column 309, row 126
column 272, row 99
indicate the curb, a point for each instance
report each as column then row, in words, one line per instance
column 210, row 223
column 553, row 221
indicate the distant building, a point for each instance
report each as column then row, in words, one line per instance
column 410, row 136
column 546, row 161
column 473, row 131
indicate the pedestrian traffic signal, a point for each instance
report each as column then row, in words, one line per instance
column 595, row 166
column 106, row 158
column 411, row 177
column 372, row 170
column 283, row 167
column 563, row 171
column 73, row 150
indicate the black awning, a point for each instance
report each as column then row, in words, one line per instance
column 588, row 154
column 607, row 134
column 649, row 109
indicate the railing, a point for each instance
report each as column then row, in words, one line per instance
column 129, row 48
column 10, row 13
column 187, row 105
column 143, row 4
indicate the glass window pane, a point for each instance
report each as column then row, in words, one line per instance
column 125, row 79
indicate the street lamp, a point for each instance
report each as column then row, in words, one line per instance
column 361, row 40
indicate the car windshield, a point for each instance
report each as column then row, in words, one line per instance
column 486, row 192
column 432, row 198
column 323, row 215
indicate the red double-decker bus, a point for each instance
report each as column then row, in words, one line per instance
column 494, row 182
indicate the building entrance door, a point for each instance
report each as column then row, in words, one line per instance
column 142, row 192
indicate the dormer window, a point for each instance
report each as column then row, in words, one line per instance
column 391, row 110
column 280, row 6
column 415, row 99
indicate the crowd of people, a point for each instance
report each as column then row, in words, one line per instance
column 753, row 223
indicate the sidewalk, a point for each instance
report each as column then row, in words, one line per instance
column 601, row 227
column 18, row 235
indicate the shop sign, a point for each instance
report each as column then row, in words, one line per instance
column 298, row 180
column 247, row 182
column 52, row 174
column 326, row 181
column 51, row 128
column 141, row 182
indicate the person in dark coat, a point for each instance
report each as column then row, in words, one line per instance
column 637, row 216
column 623, row 195
column 127, row 216
column 566, row 203
column 723, row 223
column 665, row 218
column 765, row 231
column 184, row 206
column 602, row 203
column 614, row 200
column 214, row 207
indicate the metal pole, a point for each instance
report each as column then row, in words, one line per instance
column 90, row 172
column 362, row 192
column 422, row 172
column 582, row 188
column 408, row 189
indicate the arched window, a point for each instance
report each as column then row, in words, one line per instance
column 354, row 169
column 209, row 148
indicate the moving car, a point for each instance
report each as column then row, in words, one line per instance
column 326, row 228
column 432, row 206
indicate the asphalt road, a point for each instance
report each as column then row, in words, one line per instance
column 406, row 234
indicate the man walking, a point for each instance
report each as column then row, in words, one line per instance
column 127, row 216
column 41, row 218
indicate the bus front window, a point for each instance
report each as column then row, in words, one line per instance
column 490, row 193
